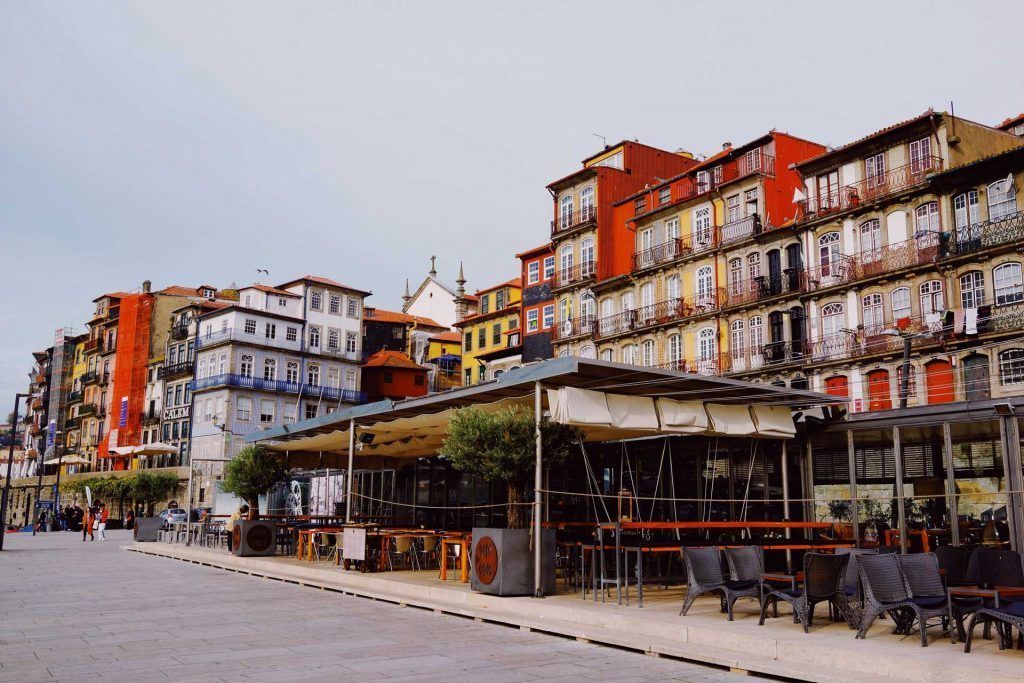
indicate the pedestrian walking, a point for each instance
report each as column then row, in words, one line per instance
column 90, row 520
column 103, row 514
column 236, row 516
column 129, row 519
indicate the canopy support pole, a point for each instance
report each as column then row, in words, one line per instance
column 351, row 470
column 901, row 510
column 538, row 554
column 951, row 501
column 851, row 454
column 188, row 508
column 785, row 501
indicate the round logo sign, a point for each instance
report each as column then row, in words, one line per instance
column 485, row 560
column 259, row 538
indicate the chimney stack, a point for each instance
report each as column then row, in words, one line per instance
column 146, row 286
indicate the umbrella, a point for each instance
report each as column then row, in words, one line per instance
column 67, row 460
column 155, row 448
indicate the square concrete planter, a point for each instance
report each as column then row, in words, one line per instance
column 253, row 538
column 146, row 529
column 503, row 561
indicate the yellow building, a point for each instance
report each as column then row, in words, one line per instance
column 75, row 395
column 495, row 327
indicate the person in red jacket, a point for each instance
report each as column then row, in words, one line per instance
column 102, row 516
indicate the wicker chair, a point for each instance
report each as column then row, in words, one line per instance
column 953, row 561
column 1005, row 618
column 921, row 572
column 705, row 576
column 850, row 606
column 884, row 589
column 824, row 576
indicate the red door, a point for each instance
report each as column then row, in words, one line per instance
column 879, row 397
column 939, row 376
column 837, row 386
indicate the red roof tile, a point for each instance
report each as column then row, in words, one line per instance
column 391, row 359
column 869, row 136
column 1012, row 121
column 272, row 290
column 324, row 281
column 514, row 282
column 381, row 315
column 454, row 337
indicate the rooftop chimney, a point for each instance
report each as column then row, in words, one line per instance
column 726, row 145
column 146, row 286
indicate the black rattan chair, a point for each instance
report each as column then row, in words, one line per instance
column 705, row 576
column 824, row 576
column 851, row 607
column 1005, row 618
column 922, row 576
column 953, row 561
column 884, row 589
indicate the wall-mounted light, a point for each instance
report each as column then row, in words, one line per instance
column 1003, row 409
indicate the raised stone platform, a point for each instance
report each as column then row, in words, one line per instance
column 779, row 648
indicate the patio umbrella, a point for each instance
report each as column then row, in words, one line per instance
column 67, row 460
column 155, row 448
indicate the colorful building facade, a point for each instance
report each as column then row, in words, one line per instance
column 494, row 329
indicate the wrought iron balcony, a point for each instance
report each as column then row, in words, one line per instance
column 92, row 345
column 870, row 189
column 259, row 384
column 895, row 257
column 574, row 219
column 742, row 229
column 765, row 287
column 176, row 370
column 713, row 364
column 660, row 313
column 573, row 327
column 673, row 249
column 75, row 397
column 104, row 377
column 752, row 359
column 982, row 236
column 91, row 377
column 150, row 418
column 86, row 410
column 179, row 332
column 581, row 272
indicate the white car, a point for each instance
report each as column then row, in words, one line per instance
column 171, row 515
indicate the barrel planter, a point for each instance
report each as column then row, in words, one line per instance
column 503, row 561
column 146, row 529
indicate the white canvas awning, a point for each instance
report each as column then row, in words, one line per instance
column 776, row 421
column 579, row 407
column 682, row 417
column 730, row 419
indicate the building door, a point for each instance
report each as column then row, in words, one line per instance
column 939, row 378
column 797, row 330
column 794, row 264
column 976, row 377
column 879, row 396
column 776, row 350
column 837, row 386
column 775, row 272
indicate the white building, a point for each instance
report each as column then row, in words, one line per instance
column 435, row 300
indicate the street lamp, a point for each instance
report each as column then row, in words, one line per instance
column 905, row 379
column 10, row 463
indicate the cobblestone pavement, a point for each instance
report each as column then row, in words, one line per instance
column 75, row 611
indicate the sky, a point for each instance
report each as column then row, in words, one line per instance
column 194, row 142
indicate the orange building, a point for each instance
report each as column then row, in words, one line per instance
column 393, row 375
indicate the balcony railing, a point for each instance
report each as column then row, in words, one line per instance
column 86, row 409
column 574, row 219
column 149, row 419
column 870, row 189
column 92, row 345
column 673, row 249
column 179, row 332
column 340, row 354
column 233, row 334
column 659, row 313
column 256, row 383
column 176, row 370
column 75, row 396
column 895, row 257
column 742, row 229
column 765, row 287
column 766, row 356
column 104, row 377
column 581, row 272
column 574, row 327
column 980, row 236
column 91, row 377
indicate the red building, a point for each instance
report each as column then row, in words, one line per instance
column 393, row 375
column 538, row 304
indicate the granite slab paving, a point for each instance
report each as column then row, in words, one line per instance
column 74, row 610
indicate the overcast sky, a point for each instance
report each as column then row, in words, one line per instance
column 192, row 143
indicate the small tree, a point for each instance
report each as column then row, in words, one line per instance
column 499, row 445
column 252, row 472
column 148, row 488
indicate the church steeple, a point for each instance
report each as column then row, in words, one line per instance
column 433, row 266
column 407, row 297
column 461, row 281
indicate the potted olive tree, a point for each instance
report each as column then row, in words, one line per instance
column 250, row 474
column 499, row 446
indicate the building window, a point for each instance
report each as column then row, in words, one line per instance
column 335, row 305
column 565, row 210
column 750, row 202
column 675, row 350
column 496, row 333
column 270, row 332
column 832, row 320
column 608, row 355
column 736, row 276
column 481, row 337
column 972, row 289
column 588, row 352
column 1011, row 366
column 270, row 369
column 468, row 376
column 756, row 326
column 705, row 286
column 244, row 408
column 481, row 374
column 900, row 300
column 587, row 257
column 289, row 413
column 629, row 354
column 311, row 410
column 920, row 155
column 753, row 267
column 732, row 208
column 352, row 307
column 332, row 377
column 548, row 319
column 313, row 375
column 282, row 302
column 639, row 204
column 737, row 338
column 870, row 240
column 266, row 411
column 333, row 340
column 549, row 267
column 707, row 351
column 873, row 315
column 467, row 344
column 532, row 322
column 932, row 300
column 350, row 342
column 1002, row 199
column 292, row 372
column 291, row 334
column 673, row 288
column 965, row 210
column 703, row 182
column 702, row 227
column 927, row 229
column 485, row 304
column 829, row 253
column 250, row 326
column 874, row 171
column 647, row 352
column 315, row 301
column 586, row 200
column 533, row 272
column 314, row 337
column 665, row 195
column 499, row 300
column 245, row 367
column 1009, row 283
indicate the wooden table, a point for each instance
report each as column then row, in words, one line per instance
column 305, row 544
column 464, row 543
column 995, row 594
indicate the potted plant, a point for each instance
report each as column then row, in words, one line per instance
column 499, row 446
column 251, row 473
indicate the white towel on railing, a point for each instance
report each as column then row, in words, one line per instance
column 971, row 321
column 934, row 322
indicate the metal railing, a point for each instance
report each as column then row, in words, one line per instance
column 659, row 313
column 756, row 358
column 894, row 257
column 213, row 338
column 573, row 327
column 574, row 219
column 176, row 370
column 870, row 189
column 765, row 287
column 259, row 384
column 840, row 270
column 75, row 396
column 679, row 247
column 179, row 332
column 980, row 236
column 90, row 377
column 580, row 272
column 743, row 228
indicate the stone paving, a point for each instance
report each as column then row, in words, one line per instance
column 75, row 611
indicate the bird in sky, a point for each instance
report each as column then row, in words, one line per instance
column 265, row 272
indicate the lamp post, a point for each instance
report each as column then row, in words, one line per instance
column 60, row 462
column 905, row 379
column 10, row 463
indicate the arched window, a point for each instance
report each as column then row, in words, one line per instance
column 833, row 319
column 562, row 354
column 900, row 300
column 608, row 355
column 647, row 352
column 753, row 267
column 870, row 240
column 829, row 253
column 565, row 210
column 756, row 334
column 799, row 383
column 564, row 310
column 972, row 289
column 587, row 257
column 736, row 276
column 737, row 339
column 702, row 227
column 1002, row 200
column 1011, row 366
column 675, row 351
column 588, row 306
column 245, row 366
column 629, row 354
column 565, row 263
column 270, row 369
column 873, row 313
column 586, row 201
column 707, row 351
column 926, row 225
column 705, row 286
column 1009, row 283
column 315, row 301
column 932, row 300
column 497, row 373
column 911, row 382
column 588, row 352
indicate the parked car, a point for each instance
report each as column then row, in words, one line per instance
column 171, row 515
